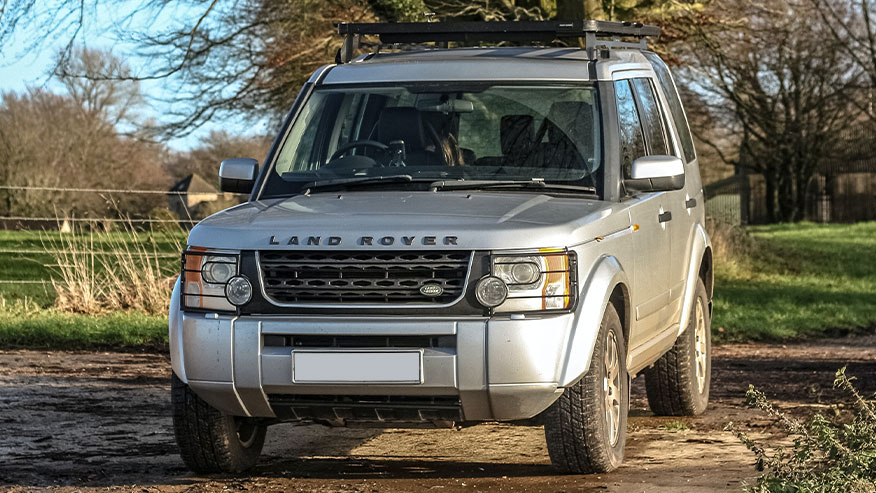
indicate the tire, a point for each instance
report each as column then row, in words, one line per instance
column 581, row 436
column 209, row 440
column 678, row 383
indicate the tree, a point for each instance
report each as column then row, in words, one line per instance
column 71, row 141
column 204, row 159
column 852, row 25
column 777, row 87
column 250, row 57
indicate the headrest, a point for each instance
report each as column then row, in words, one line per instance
column 401, row 123
column 516, row 133
column 572, row 120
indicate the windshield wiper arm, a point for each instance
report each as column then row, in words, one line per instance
column 358, row 180
column 485, row 184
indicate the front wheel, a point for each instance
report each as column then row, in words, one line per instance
column 585, row 429
column 209, row 440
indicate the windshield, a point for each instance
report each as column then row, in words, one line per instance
column 342, row 135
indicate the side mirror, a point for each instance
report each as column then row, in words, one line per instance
column 656, row 174
column 238, row 175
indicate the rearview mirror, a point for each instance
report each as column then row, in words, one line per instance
column 238, row 175
column 656, row 174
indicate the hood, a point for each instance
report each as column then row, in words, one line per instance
column 400, row 220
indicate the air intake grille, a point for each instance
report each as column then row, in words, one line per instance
column 364, row 278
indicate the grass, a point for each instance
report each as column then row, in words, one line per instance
column 797, row 281
column 42, row 266
column 775, row 283
column 29, row 326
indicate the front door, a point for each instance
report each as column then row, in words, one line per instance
column 649, row 213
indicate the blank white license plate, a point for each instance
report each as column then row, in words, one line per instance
column 357, row 366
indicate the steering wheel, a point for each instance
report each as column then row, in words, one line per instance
column 358, row 143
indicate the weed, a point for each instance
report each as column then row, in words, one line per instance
column 98, row 271
column 676, row 425
column 826, row 455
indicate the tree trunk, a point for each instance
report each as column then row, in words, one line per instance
column 786, row 191
column 575, row 10
column 770, row 195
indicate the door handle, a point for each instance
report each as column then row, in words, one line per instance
column 690, row 203
column 665, row 217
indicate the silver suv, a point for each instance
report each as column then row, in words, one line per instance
column 441, row 237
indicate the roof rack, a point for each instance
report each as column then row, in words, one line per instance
column 593, row 32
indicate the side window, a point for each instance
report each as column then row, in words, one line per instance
column 652, row 120
column 665, row 80
column 632, row 138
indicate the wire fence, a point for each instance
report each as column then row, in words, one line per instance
column 28, row 261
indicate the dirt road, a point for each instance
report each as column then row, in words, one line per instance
column 79, row 421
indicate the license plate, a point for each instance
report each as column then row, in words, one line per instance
column 346, row 367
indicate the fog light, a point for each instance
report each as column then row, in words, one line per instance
column 238, row 290
column 491, row 291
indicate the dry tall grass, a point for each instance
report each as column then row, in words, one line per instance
column 98, row 271
column 732, row 246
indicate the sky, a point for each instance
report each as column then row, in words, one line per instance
column 22, row 67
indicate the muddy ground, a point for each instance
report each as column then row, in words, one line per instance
column 84, row 420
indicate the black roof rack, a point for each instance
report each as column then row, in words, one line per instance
column 593, row 32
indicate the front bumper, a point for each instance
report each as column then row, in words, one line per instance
column 497, row 368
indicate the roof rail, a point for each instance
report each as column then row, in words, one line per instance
column 593, row 32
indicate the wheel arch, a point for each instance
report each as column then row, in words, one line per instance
column 700, row 267
column 606, row 283
column 174, row 339
column 620, row 298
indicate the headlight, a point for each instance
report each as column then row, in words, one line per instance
column 534, row 282
column 206, row 275
column 218, row 270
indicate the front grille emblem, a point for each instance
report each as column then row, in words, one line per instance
column 431, row 290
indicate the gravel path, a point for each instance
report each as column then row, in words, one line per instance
column 86, row 420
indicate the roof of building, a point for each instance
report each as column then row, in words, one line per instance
column 193, row 183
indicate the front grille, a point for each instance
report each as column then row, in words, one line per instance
column 363, row 278
column 318, row 341
column 394, row 408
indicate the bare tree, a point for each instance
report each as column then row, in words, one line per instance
column 780, row 92
column 250, row 57
column 72, row 140
column 205, row 158
column 852, row 25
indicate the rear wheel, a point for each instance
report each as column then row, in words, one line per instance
column 585, row 429
column 678, row 383
column 209, row 440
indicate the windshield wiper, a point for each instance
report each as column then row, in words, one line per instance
column 358, row 180
column 487, row 184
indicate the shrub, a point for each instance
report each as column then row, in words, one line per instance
column 826, row 455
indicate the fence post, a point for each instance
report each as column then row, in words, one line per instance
column 744, row 187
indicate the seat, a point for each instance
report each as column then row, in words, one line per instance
column 567, row 123
column 406, row 124
column 516, row 133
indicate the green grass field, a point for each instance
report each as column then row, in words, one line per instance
column 799, row 280
column 34, row 266
column 794, row 281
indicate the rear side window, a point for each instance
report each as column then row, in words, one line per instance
column 665, row 80
column 632, row 138
column 652, row 121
